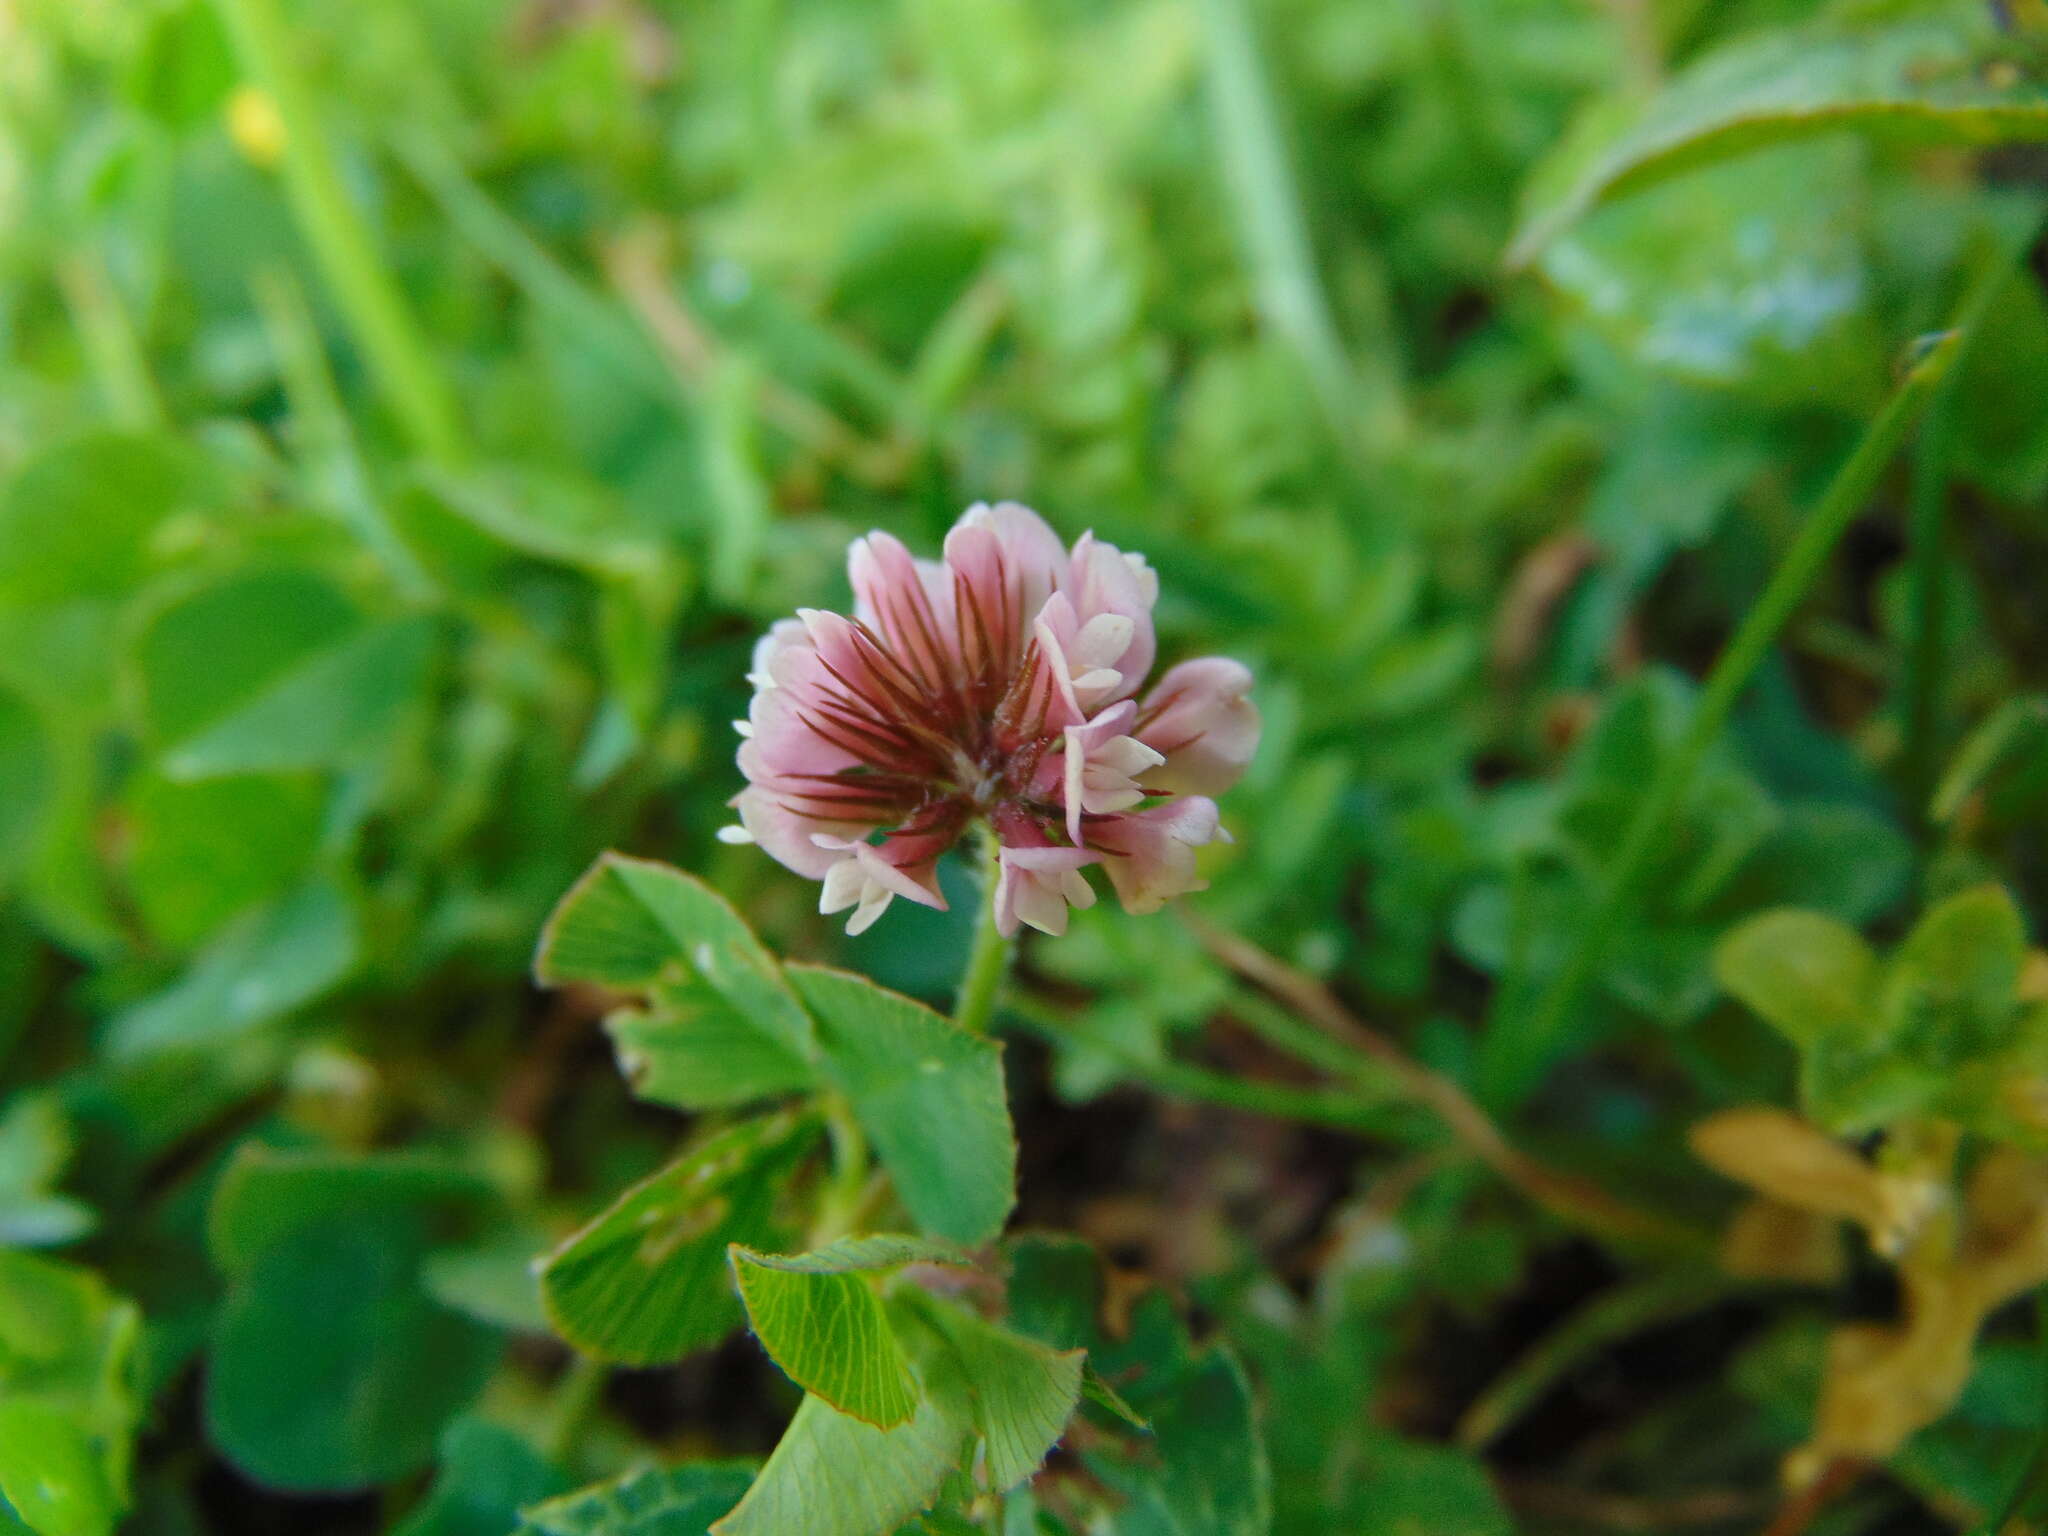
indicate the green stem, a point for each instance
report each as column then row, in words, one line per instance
column 756, row 29
column 599, row 324
column 1372, row 1109
column 1285, row 1032
column 955, row 347
column 119, row 364
column 1273, row 229
column 355, row 270
column 1341, row 1108
column 1926, row 530
column 324, row 435
column 1624, row 1310
column 846, row 1194
column 1516, row 1051
column 1926, row 602
column 988, row 959
column 571, row 1405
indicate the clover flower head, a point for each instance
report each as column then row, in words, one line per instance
column 996, row 686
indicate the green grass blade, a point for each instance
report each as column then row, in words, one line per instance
column 1273, row 227
column 324, row 436
column 358, row 274
column 111, row 344
column 1517, row 1049
column 543, row 279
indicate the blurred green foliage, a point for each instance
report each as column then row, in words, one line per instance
column 411, row 413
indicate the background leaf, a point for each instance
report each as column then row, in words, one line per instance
column 70, row 1402
column 50, row 1474
column 323, row 1257
column 267, row 964
column 1806, row 973
column 334, row 707
column 27, row 768
column 77, row 521
column 487, row 1475
column 1915, row 81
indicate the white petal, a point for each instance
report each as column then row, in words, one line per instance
column 1129, row 756
column 1103, row 639
column 1148, row 579
column 1077, row 774
column 1105, row 799
column 874, row 902
column 844, row 885
column 1040, row 906
column 735, row 834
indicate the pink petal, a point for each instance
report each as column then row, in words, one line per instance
column 1150, row 854
column 784, row 744
column 909, row 603
column 782, row 634
column 913, row 882
column 848, row 671
column 1103, row 580
column 1031, row 554
column 1036, row 886
column 786, row 835
column 1004, row 562
column 1082, row 743
column 1201, row 719
column 1043, row 697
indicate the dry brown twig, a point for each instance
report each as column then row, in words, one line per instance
column 1630, row 1512
column 1577, row 1200
column 1541, row 582
column 1805, row 1506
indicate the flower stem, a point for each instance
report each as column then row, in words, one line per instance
column 988, row 959
column 846, row 1194
column 1339, row 1108
column 571, row 1404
